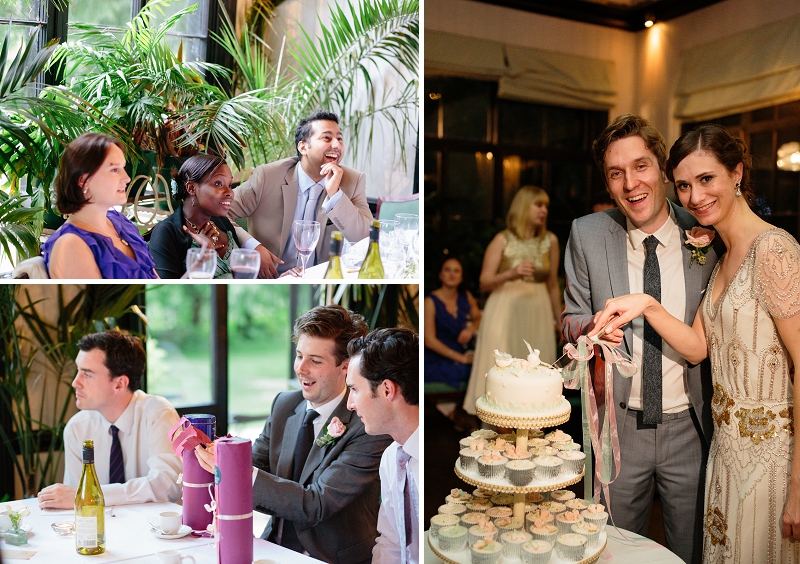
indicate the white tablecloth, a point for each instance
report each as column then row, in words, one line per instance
column 635, row 550
column 128, row 538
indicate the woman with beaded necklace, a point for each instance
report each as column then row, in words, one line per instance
column 96, row 241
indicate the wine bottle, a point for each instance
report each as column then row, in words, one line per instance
column 372, row 266
column 90, row 530
column 334, row 258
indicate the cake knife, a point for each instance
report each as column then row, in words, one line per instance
column 564, row 359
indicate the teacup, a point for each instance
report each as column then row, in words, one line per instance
column 5, row 521
column 169, row 522
column 173, row 557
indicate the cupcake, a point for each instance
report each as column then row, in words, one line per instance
column 453, row 539
column 567, row 446
column 458, row 496
column 589, row 530
column 558, row 436
column 486, row 551
column 596, row 514
column 548, row 467
column 578, row 503
column 554, row 507
column 503, row 499
column 536, row 443
column 571, row 546
column 516, row 453
column 544, row 531
column 469, row 459
column 491, row 464
column 487, row 434
column 473, row 518
column 540, row 514
column 480, row 493
column 506, row 524
column 545, row 451
column 561, row 495
column 573, row 460
column 499, row 511
column 498, row 445
column 536, row 552
column 508, row 437
column 481, row 530
column 520, row 472
column 512, row 542
column 479, row 505
column 468, row 442
column 564, row 521
column 535, row 434
column 534, row 497
column 452, row 509
column 439, row 521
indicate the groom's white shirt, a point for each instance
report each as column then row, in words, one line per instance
column 675, row 397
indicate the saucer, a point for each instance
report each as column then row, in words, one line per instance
column 182, row 532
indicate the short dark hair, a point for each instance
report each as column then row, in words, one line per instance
column 303, row 131
column 83, row 156
column 728, row 149
column 628, row 125
column 196, row 169
column 331, row 322
column 390, row 354
column 124, row 354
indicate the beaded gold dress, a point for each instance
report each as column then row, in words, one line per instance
column 750, row 459
column 519, row 309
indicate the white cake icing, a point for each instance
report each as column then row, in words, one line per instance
column 521, row 386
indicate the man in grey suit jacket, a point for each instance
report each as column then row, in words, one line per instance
column 604, row 259
column 278, row 193
column 330, row 510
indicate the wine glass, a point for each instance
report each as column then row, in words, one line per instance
column 201, row 262
column 388, row 237
column 393, row 260
column 407, row 227
column 305, row 234
column 245, row 263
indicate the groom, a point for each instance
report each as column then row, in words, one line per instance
column 663, row 412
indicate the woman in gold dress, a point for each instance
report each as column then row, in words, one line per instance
column 749, row 326
column 520, row 269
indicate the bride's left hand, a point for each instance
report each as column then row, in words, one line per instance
column 791, row 515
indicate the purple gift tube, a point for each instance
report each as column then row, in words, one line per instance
column 197, row 483
column 234, row 501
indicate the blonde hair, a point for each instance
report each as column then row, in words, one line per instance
column 519, row 214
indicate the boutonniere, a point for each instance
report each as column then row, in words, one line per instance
column 332, row 431
column 698, row 241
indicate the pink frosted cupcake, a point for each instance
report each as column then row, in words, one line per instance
column 577, row 503
column 439, row 521
column 536, row 552
column 540, row 514
column 499, row 511
column 564, row 521
column 468, row 442
column 558, row 436
column 458, row 496
column 512, row 542
column 479, row 505
column 473, row 518
column 481, row 493
column 562, row 495
column 596, row 514
column 486, row 551
column 505, row 524
column 498, row 445
column 571, row 546
column 554, row 507
column 544, row 531
column 482, row 530
column 491, row 464
column 516, row 453
column 589, row 530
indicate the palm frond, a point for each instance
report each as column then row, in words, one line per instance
column 16, row 230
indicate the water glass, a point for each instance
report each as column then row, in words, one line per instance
column 394, row 262
column 353, row 255
column 201, row 263
column 407, row 226
column 388, row 237
column 245, row 263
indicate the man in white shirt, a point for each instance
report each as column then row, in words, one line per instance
column 383, row 378
column 663, row 413
column 314, row 185
column 134, row 459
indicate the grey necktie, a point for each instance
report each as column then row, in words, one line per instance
column 310, row 213
column 404, row 515
column 651, row 346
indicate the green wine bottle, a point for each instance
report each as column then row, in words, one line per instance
column 334, row 271
column 372, row 267
column 90, row 529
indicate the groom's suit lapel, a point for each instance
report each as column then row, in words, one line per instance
column 617, row 257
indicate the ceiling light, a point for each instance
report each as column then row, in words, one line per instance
column 789, row 156
column 649, row 20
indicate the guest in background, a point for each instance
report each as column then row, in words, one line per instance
column 602, row 202
column 324, row 499
column 96, row 241
column 383, row 378
column 134, row 459
column 452, row 318
column 520, row 269
column 203, row 184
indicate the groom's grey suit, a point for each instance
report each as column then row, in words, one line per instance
column 335, row 504
column 596, row 268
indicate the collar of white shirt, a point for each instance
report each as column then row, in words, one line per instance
column 325, row 411
column 637, row 236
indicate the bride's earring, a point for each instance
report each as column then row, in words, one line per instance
column 738, row 189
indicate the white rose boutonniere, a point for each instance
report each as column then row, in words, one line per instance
column 331, row 432
column 698, row 241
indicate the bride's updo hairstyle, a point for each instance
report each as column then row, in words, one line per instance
column 715, row 140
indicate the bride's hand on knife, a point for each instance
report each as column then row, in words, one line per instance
column 617, row 313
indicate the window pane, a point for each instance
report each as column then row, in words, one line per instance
column 519, row 172
column 195, row 23
column 178, row 344
column 761, row 149
column 193, row 49
column 568, row 193
column 113, row 13
column 521, row 123
column 564, row 128
column 466, row 108
column 259, row 331
column 468, row 189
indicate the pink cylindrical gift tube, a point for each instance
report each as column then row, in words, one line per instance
column 234, row 501
column 196, row 495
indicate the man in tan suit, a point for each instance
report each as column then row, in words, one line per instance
column 320, row 189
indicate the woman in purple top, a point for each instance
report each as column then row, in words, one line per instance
column 95, row 241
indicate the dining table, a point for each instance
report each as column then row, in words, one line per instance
column 131, row 536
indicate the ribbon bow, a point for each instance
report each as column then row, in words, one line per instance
column 578, row 376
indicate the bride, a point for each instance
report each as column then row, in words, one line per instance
column 748, row 324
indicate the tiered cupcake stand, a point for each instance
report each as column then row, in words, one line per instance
column 521, row 426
